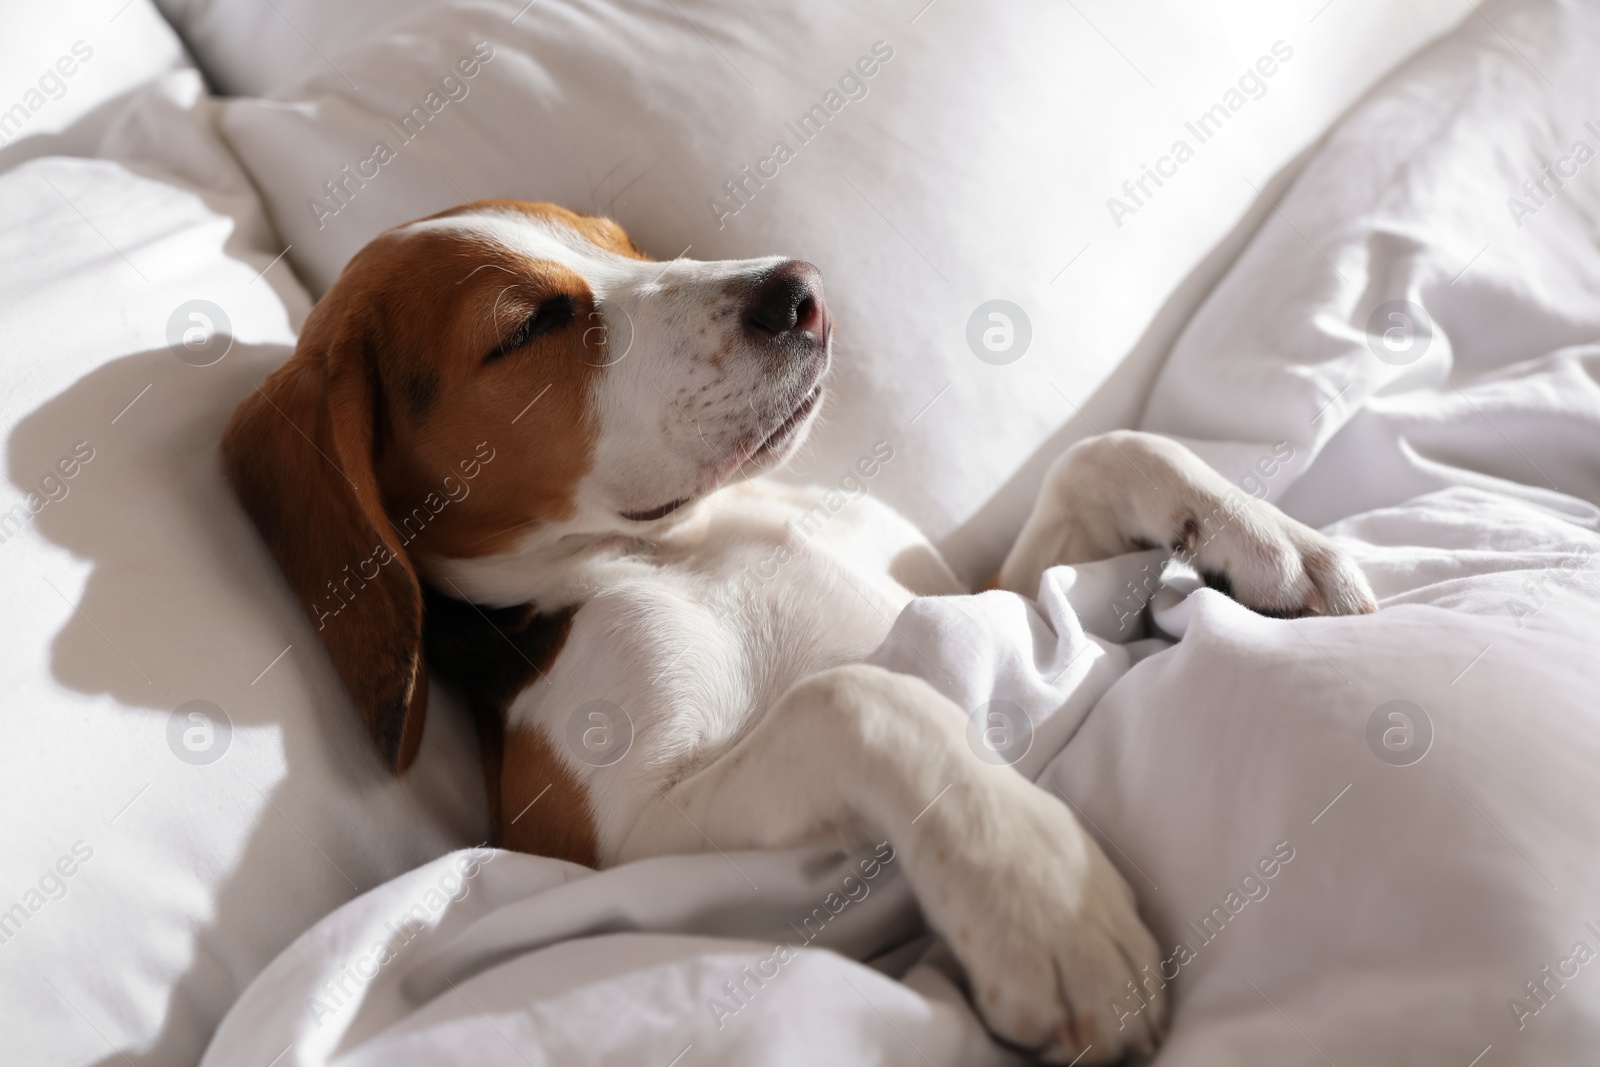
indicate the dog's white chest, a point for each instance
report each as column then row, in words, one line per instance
column 786, row 582
column 698, row 639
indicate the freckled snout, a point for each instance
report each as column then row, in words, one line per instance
column 787, row 306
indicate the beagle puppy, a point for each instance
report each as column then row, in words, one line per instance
column 510, row 444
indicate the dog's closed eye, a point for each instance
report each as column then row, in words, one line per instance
column 550, row 316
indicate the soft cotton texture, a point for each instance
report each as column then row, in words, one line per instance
column 1284, row 865
column 68, row 73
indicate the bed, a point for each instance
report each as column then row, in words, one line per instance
column 1366, row 291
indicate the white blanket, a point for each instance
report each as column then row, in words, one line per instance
column 1375, row 941
column 1367, row 840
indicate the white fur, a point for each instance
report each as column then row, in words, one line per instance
column 756, row 725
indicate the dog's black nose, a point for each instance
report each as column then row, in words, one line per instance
column 789, row 299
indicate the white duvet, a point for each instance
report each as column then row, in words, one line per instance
column 1367, row 840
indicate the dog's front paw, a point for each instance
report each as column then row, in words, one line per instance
column 1128, row 490
column 1271, row 563
column 1047, row 930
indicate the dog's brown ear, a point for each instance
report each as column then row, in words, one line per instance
column 300, row 452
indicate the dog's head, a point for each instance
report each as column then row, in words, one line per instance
column 502, row 372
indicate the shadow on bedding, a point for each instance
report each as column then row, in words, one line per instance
column 228, row 855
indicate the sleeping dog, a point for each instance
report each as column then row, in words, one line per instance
column 512, row 445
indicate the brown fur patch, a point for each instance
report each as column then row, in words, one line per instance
column 492, row 654
column 543, row 807
column 420, row 391
column 386, row 434
column 458, row 297
column 298, row 453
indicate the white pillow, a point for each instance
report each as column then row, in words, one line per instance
column 67, row 66
column 251, row 46
column 959, row 154
column 141, row 886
